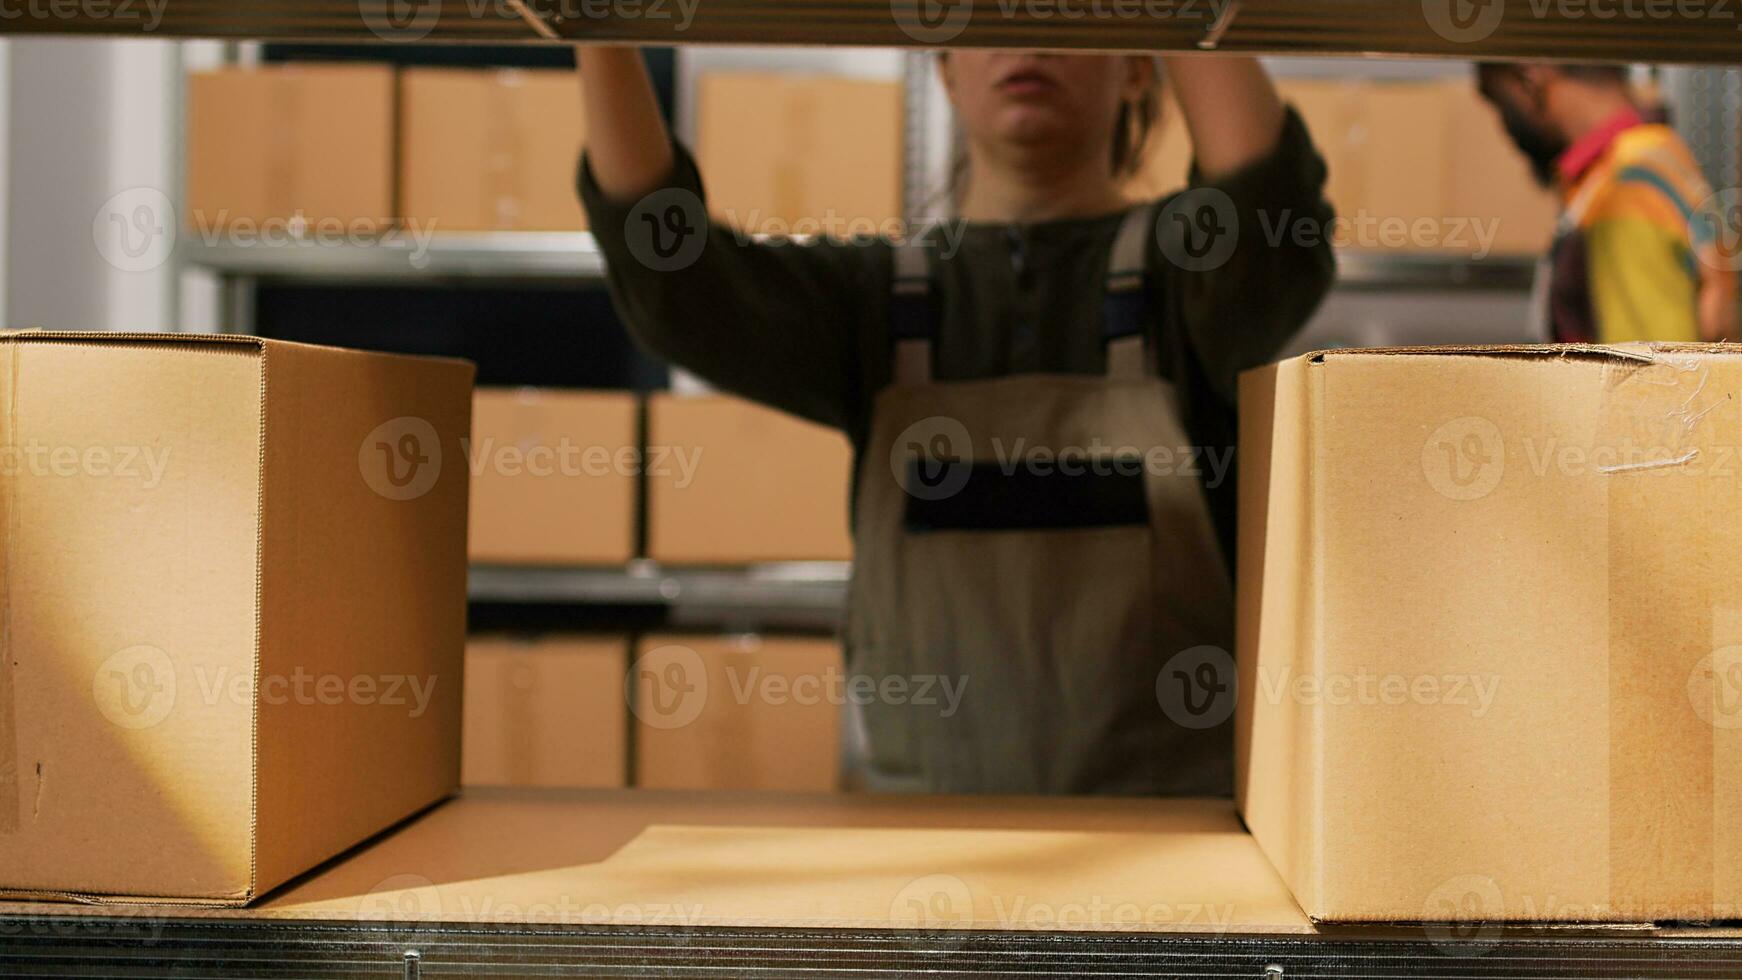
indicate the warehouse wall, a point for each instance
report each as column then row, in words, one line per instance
column 90, row 150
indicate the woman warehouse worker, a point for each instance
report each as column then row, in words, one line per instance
column 1040, row 399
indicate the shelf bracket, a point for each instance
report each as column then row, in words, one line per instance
column 533, row 20
column 1219, row 27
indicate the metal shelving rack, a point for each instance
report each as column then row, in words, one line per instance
column 242, row 948
column 1705, row 33
column 571, row 257
column 217, row 945
column 792, row 595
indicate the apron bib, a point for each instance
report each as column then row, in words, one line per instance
column 1029, row 552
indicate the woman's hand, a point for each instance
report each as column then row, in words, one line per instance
column 627, row 143
column 1231, row 109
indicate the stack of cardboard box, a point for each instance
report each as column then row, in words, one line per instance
column 801, row 154
column 256, row 163
column 365, row 149
column 555, row 477
column 1415, row 166
column 480, row 150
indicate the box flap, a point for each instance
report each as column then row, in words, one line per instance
column 1629, row 352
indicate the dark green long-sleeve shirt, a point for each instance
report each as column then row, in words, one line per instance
column 805, row 328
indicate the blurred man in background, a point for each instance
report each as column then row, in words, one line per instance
column 1634, row 257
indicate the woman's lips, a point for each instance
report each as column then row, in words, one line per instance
column 1027, row 84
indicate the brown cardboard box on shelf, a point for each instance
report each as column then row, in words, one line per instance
column 737, row 712
column 490, row 150
column 793, row 153
column 1407, row 126
column 1490, row 615
column 1420, row 166
column 554, row 476
column 1331, row 110
column 235, row 593
column 1334, row 113
column 549, row 711
column 730, row 482
column 1487, row 178
column 283, row 143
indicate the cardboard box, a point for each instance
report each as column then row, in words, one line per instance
column 304, row 143
column 1417, row 166
column 550, row 711
column 1488, row 178
column 729, row 482
column 788, row 153
column 554, row 476
column 737, row 712
column 235, row 593
column 1490, row 602
column 490, row 150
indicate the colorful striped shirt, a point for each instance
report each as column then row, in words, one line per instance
column 1641, row 254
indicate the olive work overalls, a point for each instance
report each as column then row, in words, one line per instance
column 1040, row 546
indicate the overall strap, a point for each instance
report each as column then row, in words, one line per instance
column 1125, row 305
column 911, row 313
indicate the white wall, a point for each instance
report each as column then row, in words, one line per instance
column 91, row 130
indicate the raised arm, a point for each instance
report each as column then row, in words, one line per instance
column 1255, row 167
column 627, row 141
column 776, row 323
column 1231, row 110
